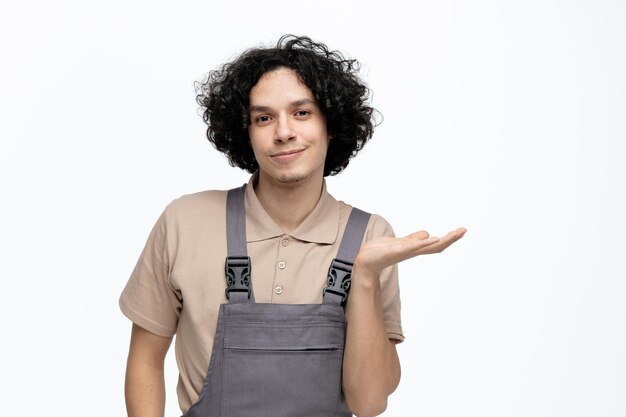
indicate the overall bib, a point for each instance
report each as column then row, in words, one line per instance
column 277, row 360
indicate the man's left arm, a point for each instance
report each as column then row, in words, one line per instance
column 371, row 369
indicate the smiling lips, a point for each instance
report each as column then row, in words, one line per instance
column 287, row 155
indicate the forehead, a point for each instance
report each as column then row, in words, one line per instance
column 279, row 86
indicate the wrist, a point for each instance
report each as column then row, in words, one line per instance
column 363, row 277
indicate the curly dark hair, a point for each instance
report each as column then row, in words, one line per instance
column 340, row 94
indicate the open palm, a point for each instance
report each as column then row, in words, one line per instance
column 380, row 253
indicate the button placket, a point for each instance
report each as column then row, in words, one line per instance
column 281, row 264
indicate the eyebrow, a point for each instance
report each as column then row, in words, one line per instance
column 296, row 103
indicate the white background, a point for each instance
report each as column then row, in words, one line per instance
column 508, row 118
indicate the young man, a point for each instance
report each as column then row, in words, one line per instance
column 290, row 115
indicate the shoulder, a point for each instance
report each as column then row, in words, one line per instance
column 189, row 209
column 376, row 227
column 199, row 201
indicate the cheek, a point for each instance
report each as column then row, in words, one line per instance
column 253, row 140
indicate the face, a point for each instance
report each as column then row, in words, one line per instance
column 287, row 130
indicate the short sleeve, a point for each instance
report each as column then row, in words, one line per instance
column 390, row 290
column 149, row 300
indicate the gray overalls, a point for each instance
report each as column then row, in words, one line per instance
column 277, row 360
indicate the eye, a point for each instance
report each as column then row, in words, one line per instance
column 302, row 113
column 263, row 119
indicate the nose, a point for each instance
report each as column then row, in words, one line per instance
column 284, row 131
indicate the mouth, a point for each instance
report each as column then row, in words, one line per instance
column 287, row 155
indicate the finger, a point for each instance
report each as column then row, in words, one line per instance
column 455, row 234
column 409, row 246
column 422, row 234
column 416, row 240
column 444, row 242
column 416, row 247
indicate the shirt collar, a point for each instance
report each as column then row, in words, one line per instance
column 320, row 226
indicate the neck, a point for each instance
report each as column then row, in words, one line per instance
column 288, row 204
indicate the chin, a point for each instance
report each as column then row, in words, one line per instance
column 291, row 179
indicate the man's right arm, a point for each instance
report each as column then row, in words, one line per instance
column 145, row 385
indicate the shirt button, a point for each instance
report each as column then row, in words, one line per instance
column 282, row 265
column 278, row 290
column 285, row 242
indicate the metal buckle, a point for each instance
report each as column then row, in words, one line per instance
column 238, row 274
column 339, row 279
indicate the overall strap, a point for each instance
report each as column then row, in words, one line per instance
column 340, row 271
column 238, row 266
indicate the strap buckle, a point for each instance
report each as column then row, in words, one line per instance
column 238, row 274
column 339, row 279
